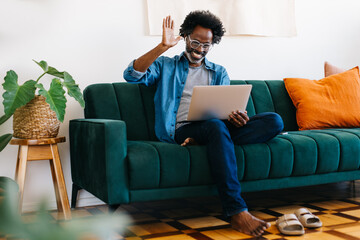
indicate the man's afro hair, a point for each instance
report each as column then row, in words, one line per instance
column 205, row 19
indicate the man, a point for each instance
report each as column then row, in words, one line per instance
column 175, row 78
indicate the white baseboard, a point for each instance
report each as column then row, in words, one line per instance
column 51, row 205
column 89, row 201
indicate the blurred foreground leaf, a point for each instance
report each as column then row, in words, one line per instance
column 44, row 227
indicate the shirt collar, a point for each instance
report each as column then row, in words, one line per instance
column 208, row 65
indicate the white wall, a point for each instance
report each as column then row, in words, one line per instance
column 94, row 40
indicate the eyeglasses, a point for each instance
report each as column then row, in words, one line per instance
column 195, row 44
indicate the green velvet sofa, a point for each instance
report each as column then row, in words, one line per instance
column 116, row 156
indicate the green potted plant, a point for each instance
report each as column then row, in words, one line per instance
column 21, row 100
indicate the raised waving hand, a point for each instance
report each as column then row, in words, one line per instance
column 168, row 40
column 168, row 37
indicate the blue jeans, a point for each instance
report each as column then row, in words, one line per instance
column 220, row 136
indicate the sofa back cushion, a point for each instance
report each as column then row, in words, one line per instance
column 134, row 104
column 271, row 96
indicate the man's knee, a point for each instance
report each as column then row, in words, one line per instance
column 215, row 123
column 215, row 126
column 274, row 122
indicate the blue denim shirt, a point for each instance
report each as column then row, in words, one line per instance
column 170, row 74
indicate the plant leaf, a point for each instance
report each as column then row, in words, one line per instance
column 42, row 64
column 50, row 70
column 16, row 96
column 4, row 119
column 55, row 97
column 73, row 89
column 54, row 72
column 4, row 140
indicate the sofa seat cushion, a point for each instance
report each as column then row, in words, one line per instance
column 301, row 153
column 298, row 153
column 157, row 165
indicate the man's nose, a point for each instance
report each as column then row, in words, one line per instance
column 201, row 48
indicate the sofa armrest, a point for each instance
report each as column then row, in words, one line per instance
column 98, row 149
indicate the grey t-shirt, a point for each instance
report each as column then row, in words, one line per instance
column 196, row 76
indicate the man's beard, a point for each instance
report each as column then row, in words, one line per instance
column 191, row 59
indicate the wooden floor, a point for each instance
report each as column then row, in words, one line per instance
column 337, row 205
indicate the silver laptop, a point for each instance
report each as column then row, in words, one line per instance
column 217, row 101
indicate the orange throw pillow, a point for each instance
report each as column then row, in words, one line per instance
column 331, row 102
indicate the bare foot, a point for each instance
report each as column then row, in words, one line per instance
column 246, row 223
column 189, row 142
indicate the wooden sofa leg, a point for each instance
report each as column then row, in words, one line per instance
column 113, row 207
column 75, row 190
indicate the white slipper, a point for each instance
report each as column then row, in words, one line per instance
column 308, row 219
column 288, row 224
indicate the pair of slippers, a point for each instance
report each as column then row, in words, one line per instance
column 294, row 223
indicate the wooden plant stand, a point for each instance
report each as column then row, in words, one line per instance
column 42, row 149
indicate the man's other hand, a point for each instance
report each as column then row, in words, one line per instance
column 168, row 37
column 238, row 118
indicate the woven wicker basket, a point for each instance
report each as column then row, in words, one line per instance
column 35, row 120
